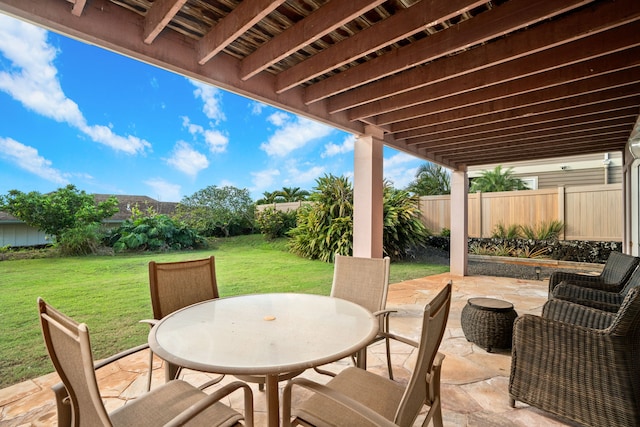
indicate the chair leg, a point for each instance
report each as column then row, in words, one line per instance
column 512, row 402
column 63, row 405
column 150, row 369
column 389, row 358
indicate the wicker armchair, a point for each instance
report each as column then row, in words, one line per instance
column 596, row 298
column 580, row 363
column 615, row 274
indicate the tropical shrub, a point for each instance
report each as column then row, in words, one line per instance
column 274, row 223
column 83, row 239
column 325, row 226
column 403, row 227
column 500, row 231
column 154, row 233
column 543, row 231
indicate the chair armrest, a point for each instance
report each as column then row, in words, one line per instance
column 214, row 397
column 576, row 314
column 150, row 322
column 558, row 277
column 384, row 316
column 596, row 298
column 360, row 411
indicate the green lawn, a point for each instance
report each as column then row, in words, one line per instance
column 111, row 293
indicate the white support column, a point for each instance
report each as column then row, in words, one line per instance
column 367, row 195
column 459, row 223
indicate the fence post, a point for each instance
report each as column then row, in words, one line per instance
column 480, row 216
column 561, row 214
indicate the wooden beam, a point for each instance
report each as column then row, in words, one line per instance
column 583, row 23
column 558, row 147
column 403, row 24
column 507, row 17
column 324, row 20
column 599, row 100
column 412, row 118
column 536, row 129
column 159, row 16
column 118, row 29
column 614, row 40
column 247, row 14
column 78, row 7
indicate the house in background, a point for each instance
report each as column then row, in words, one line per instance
column 15, row 233
column 578, row 170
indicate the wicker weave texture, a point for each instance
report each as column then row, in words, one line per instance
column 614, row 276
column 488, row 329
column 580, row 363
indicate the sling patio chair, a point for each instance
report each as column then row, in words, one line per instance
column 579, row 363
column 613, row 277
column 364, row 281
column 596, row 298
column 175, row 285
column 175, row 403
column 359, row 397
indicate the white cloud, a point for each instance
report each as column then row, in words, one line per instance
column 401, row 169
column 257, row 107
column 192, row 128
column 216, row 141
column 278, row 118
column 187, row 160
column 302, row 177
column 27, row 158
column 293, row 133
column 164, row 191
column 33, row 81
column 264, row 179
column 332, row 149
column 212, row 98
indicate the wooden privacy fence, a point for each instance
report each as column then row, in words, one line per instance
column 591, row 212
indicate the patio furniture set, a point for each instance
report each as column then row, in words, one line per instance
column 578, row 360
column 264, row 338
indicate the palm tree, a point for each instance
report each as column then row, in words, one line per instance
column 431, row 180
column 497, row 180
column 292, row 194
column 269, row 197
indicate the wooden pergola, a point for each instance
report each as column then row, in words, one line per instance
column 454, row 82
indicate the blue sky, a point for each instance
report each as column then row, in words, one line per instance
column 71, row 113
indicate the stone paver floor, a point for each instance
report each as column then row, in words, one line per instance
column 474, row 382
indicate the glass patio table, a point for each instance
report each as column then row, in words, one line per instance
column 263, row 334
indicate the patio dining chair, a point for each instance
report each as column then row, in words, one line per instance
column 596, row 298
column 364, row 281
column 175, row 403
column 613, row 277
column 579, row 363
column 175, row 285
column 359, row 397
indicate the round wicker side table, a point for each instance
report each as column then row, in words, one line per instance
column 488, row 322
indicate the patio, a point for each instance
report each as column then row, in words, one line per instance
column 474, row 382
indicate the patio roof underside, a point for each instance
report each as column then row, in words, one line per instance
column 456, row 82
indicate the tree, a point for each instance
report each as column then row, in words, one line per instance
column 218, row 211
column 268, row 198
column 58, row 212
column 325, row 226
column 497, row 180
column 292, row 194
column 431, row 180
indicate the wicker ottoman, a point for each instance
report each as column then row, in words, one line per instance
column 488, row 322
